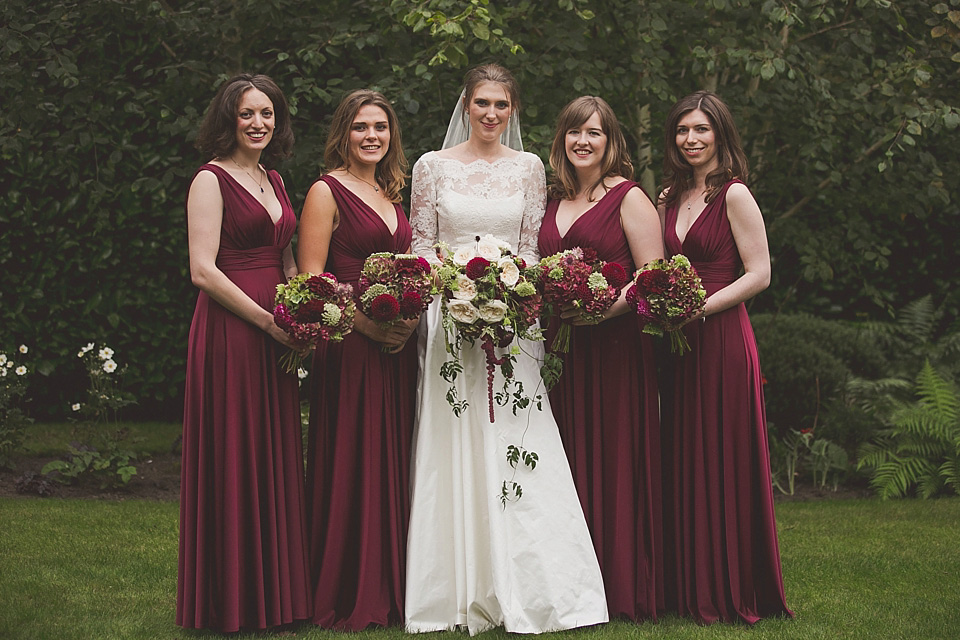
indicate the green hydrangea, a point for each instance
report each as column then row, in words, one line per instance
column 525, row 289
column 597, row 281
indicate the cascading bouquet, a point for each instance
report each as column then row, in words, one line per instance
column 487, row 297
column 666, row 294
column 311, row 308
column 577, row 276
column 393, row 286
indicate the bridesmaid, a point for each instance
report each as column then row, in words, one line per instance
column 364, row 389
column 723, row 562
column 606, row 400
column 243, row 547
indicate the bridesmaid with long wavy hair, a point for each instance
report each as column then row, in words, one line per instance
column 363, row 389
column 605, row 402
column 242, row 532
column 723, row 560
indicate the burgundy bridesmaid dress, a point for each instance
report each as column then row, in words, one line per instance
column 243, row 553
column 723, row 561
column 358, row 460
column 607, row 409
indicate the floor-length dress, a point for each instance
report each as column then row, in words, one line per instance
column 243, row 550
column 607, row 408
column 528, row 565
column 358, row 457
column 722, row 561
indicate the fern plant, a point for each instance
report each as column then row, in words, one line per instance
column 921, row 448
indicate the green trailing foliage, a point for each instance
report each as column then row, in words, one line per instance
column 920, row 450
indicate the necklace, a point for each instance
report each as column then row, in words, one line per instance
column 375, row 187
column 690, row 201
column 260, row 169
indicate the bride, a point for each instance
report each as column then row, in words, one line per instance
column 528, row 565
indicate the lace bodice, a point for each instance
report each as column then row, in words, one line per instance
column 453, row 202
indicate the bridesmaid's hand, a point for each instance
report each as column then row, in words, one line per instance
column 393, row 336
column 571, row 313
column 281, row 336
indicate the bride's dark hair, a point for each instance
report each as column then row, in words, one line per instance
column 490, row 73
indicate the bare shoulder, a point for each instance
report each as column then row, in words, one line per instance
column 738, row 194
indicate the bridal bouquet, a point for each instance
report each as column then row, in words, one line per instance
column 487, row 297
column 666, row 294
column 577, row 276
column 310, row 309
column 393, row 286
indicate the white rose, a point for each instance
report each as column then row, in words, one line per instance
column 466, row 289
column 509, row 272
column 488, row 247
column 493, row 311
column 463, row 255
column 463, row 311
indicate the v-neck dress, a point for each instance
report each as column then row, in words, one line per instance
column 607, row 408
column 243, row 546
column 723, row 561
column 358, row 457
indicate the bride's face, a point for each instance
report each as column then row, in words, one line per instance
column 489, row 110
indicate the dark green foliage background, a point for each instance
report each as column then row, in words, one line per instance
column 848, row 112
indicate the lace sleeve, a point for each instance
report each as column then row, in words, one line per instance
column 423, row 211
column 534, row 205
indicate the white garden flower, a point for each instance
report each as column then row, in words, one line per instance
column 466, row 289
column 509, row 272
column 76, row 406
column 301, row 373
column 331, row 314
column 106, row 353
column 109, row 366
column 21, row 370
column 463, row 311
column 3, row 358
column 596, row 281
column 80, row 353
column 464, row 254
column 9, row 364
column 87, row 348
column 23, row 348
column 3, row 372
column 493, row 311
column 489, row 247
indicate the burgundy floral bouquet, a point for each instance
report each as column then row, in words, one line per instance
column 310, row 309
column 666, row 294
column 487, row 297
column 577, row 276
column 393, row 286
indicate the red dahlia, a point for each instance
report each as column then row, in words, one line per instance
column 309, row 311
column 615, row 274
column 477, row 267
column 411, row 304
column 384, row 308
column 321, row 286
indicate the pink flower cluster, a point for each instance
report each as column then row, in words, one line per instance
column 393, row 286
column 666, row 294
column 578, row 277
column 311, row 308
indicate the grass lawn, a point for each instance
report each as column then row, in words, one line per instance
column 52, row 438
column 853, row 569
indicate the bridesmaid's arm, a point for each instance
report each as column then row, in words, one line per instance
column 289, row 264
column 641, row 226
column 749, row 233
column 318, row 220
column 204, row 220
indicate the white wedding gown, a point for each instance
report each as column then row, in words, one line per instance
column 530, row 565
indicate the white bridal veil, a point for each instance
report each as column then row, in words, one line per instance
column 459, row 128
